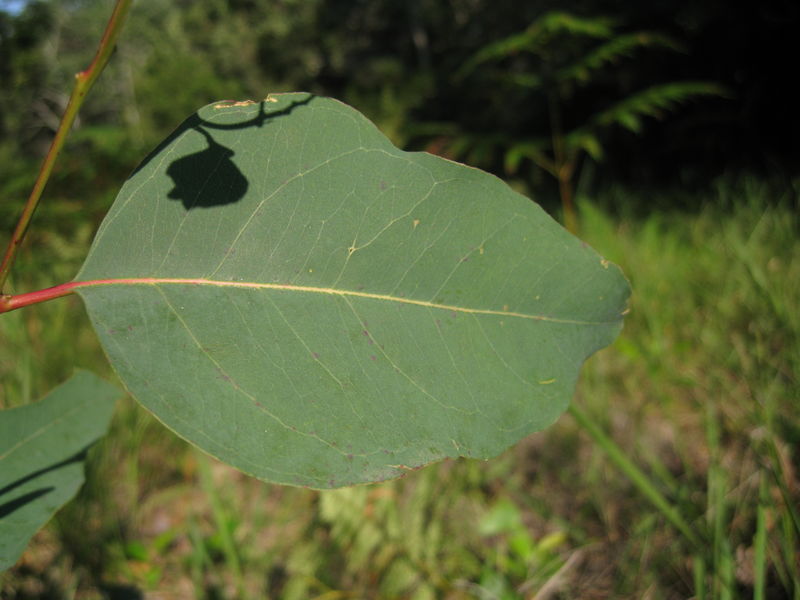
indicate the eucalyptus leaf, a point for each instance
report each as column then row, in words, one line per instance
column 42, row 451
column 287, row 290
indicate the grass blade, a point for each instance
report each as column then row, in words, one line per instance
column 639, row 479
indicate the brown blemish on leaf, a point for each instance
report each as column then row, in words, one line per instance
column 406, row 468
column 604, row 262
column 415, row 222
column 232, row 103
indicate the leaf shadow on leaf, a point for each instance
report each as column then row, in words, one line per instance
column 209, row 177
column 8, row 507
column 17, row 503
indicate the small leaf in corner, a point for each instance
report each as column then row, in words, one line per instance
column 42, row 450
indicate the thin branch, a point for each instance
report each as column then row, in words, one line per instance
column 9, row 302
column 83, row 83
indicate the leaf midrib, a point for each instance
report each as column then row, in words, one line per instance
column 284, row 287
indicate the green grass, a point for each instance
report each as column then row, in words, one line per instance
column 700, row 393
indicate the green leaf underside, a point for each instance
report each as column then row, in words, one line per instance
column 348, row 313
column 41, row 456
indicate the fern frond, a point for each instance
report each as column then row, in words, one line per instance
column 530, row 81
column 622, row 46
column 653, row 102
column 580, row 139
column 534, row 150
column 500, row 49
column 561, row 22
column 537, row 35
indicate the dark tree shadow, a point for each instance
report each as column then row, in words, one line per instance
column 210, row 178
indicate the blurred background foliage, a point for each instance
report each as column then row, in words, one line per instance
column 426, row 72
column 694, row 194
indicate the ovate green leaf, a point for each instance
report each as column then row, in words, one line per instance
column 287, row 290
column 42, row 449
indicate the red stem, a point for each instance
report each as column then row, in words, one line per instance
column 9, row 303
